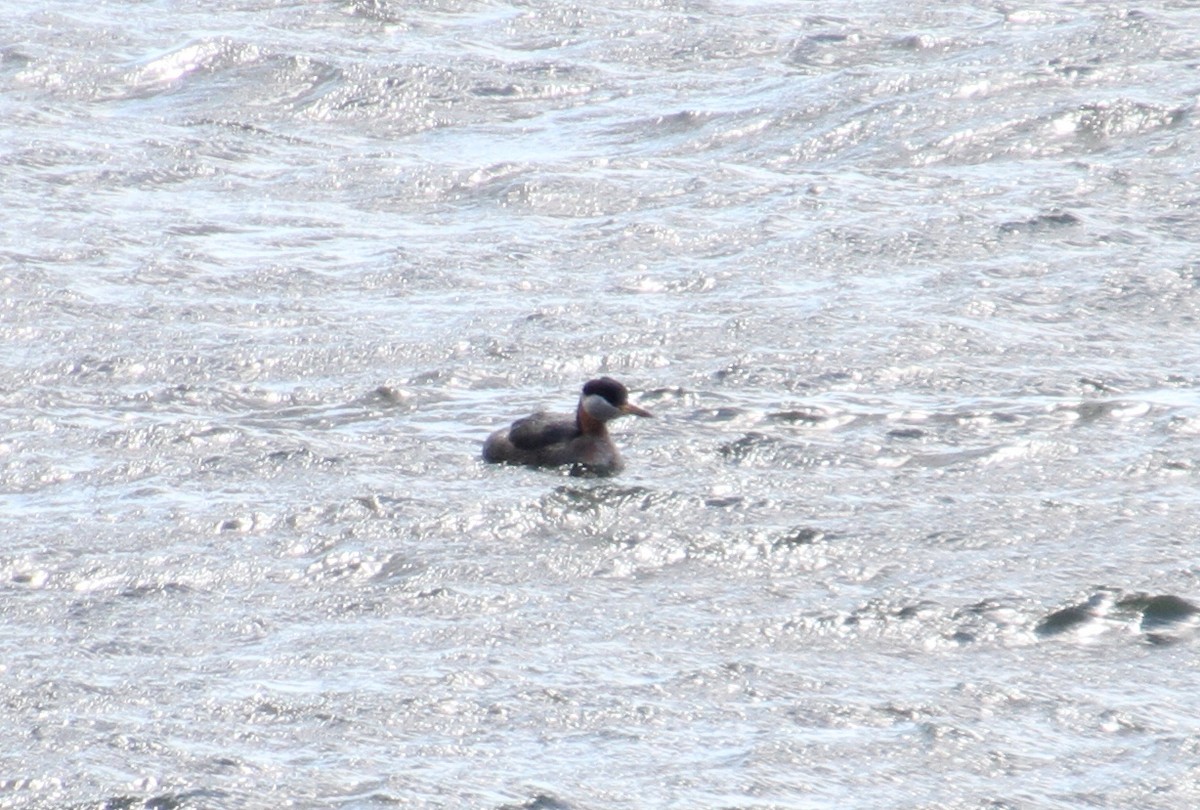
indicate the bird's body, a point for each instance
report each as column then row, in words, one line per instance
column 553, row 440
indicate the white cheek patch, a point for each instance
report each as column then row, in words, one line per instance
column 600, row 408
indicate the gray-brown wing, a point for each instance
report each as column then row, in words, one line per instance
column 541, row 430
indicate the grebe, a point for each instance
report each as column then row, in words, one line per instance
column 551, row 440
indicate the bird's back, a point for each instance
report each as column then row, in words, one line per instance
column 551, row 440
column 542, row 430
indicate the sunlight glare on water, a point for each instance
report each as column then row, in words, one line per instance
column 911, row 292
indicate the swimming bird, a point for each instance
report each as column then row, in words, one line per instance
column 552, row 440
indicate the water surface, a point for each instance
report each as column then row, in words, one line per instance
column 911, row 289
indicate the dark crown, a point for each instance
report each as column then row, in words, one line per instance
column 608, row 388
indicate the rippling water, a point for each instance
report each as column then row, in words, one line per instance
column 913, row 290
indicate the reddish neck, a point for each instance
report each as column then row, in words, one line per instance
column 588, row 424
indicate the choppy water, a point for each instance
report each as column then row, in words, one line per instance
column 913, row 290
